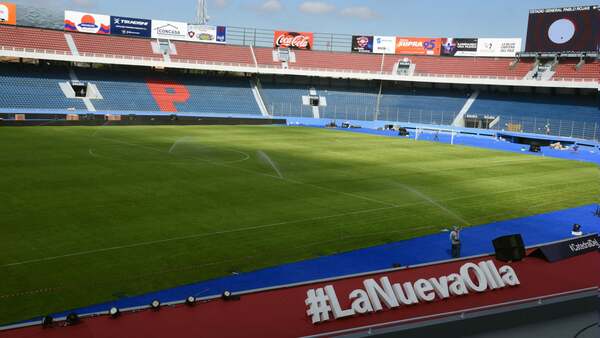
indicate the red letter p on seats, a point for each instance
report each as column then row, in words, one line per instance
column 167, row 93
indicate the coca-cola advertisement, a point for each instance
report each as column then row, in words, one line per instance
column 293, row 40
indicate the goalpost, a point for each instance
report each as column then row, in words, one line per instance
column 453, row 134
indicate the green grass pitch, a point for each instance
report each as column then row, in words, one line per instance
column 89, row 214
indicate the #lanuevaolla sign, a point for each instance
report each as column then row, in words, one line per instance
column 323, row 304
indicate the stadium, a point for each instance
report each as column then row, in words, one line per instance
column 173, row 179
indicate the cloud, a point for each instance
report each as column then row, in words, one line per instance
column 221, row 3
column 83, row 3
column 316, row 7
column 361, row 12
column 271, row 6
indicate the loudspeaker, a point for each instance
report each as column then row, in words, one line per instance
column 509, row 248
column 535, row 148
column 403, row 132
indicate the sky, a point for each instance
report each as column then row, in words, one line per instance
column 424, row 18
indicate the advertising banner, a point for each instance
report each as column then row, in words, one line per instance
column 568, row 248
column 498, row 47
column 87, row 22
column 418, row 46
column 362, row 44
column 205, row 33
column 8, row 13
column 459, row 47
column 171, row 30
column 384, row 44
column 569, row 29
column 130, row 26
column 293, row 40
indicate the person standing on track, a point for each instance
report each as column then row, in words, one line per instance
column 455, row 241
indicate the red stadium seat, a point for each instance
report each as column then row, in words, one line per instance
column 34, row 38
column 212, row 53
column 54, row 40
column 464, row 66
column 566, row 69
column 113, row 45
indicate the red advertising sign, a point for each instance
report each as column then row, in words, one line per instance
column 351, row 305
column 293, row 40
column 418, row 46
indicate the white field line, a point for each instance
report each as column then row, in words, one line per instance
column 389, row 206
column 195, row 236
column 265, row 226
column 226, row 165
column 434, row 203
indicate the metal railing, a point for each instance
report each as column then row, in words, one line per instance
column 177, row 60
column 466, row 76
column 258, row 37
column 586, row 130
column 556, row 127
column 363, row 112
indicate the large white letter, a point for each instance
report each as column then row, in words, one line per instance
column 361, row 303
column 458, row 287
column 482, row 282
column 406, row 296
column 377, row 293
column 440, row 285
column 495, row 274
column 509, row 276
column 488, row 275
column 335, row 304
column 424, row 290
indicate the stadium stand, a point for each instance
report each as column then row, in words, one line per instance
column 113, row 45
column 342, row 101
column 420, row 105
column 285, row 99
column 349, row 103
column 33, row 38
column 573, row 108
column 34, row 88
column 567, row 69
column 141, row 91
column 264, row 57
column 53, row 40
column 138, row 90
column 212, row 53
column 465, row 66
column 337, row 61
column 564, row 115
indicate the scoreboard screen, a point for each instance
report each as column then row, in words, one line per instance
column 569, row 29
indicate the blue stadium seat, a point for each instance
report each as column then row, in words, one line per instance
column 432, row 106
column 572, row 116
column 36, row 87
column 285, row 99
column 25, row 87
column 206, row 95
column 31, row 87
